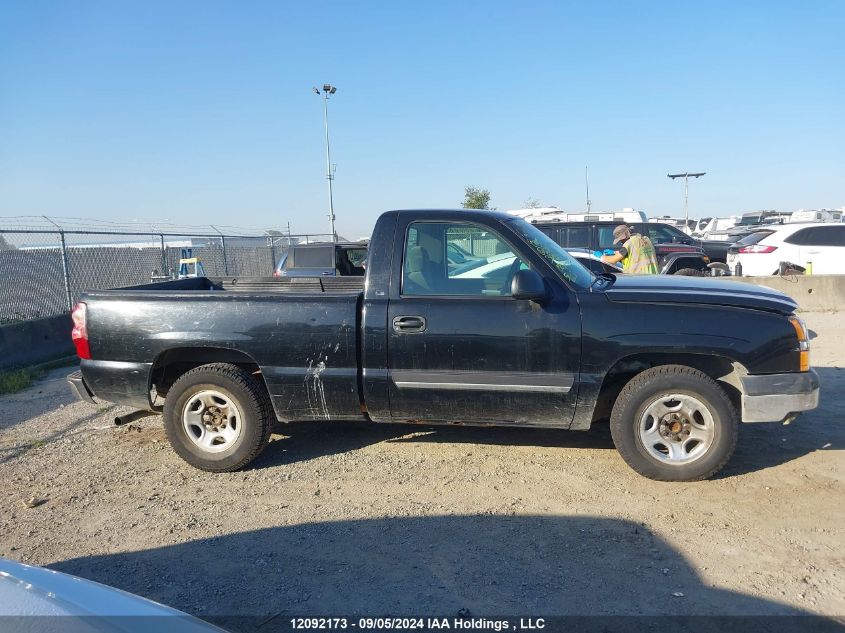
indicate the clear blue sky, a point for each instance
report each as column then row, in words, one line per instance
column 203, row 111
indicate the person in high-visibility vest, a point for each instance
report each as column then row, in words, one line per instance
column 636, row 252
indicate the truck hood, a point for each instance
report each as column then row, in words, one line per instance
column 703, row 290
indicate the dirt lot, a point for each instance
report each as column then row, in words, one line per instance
column 338, row 518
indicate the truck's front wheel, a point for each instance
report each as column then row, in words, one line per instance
column 217, row 417
column 674, row 423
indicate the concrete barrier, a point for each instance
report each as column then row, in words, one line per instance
column 820, row 293
column 36, row 341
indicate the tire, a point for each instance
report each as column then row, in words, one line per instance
column 217, row 417
column 674, row 423
column 690, row 272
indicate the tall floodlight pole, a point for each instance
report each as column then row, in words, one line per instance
column 587, row 183
column 328, row 89
column 686, row 177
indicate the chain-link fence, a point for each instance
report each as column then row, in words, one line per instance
column 475, row 241
column 45, row 264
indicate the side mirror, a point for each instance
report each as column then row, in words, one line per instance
column 529, row 286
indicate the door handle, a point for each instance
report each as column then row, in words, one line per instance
column 408, row 324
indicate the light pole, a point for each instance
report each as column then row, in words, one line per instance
column 686, row 177
column 328, row 89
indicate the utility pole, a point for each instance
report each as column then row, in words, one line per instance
column 686, row 176
column 328, row 89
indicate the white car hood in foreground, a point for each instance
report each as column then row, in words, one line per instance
column 67, row 603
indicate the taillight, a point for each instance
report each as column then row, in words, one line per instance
column 79, row 334
column 758, row 248
column 803, row 343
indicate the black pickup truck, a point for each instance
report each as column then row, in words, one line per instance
column 522, row 336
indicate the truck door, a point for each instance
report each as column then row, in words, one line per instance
column 461, row 348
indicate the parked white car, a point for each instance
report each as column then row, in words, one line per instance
column 497, row 267
column 820, row 248
column 35, row 599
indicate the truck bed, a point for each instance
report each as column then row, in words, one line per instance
column 302, row 333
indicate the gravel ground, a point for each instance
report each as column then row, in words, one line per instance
column 349, row 518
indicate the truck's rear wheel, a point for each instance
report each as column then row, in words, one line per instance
column 217, row 417
column 674, row 423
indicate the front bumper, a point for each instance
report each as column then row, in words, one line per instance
column 776, row 397
column 78, row 386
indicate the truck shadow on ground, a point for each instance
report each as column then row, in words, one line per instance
column 760, row 446
column 303, row 441
column 438, row 565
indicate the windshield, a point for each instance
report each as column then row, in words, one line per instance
column 571, row 269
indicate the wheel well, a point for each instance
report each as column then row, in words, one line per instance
column 171, row 364
column 721, row 369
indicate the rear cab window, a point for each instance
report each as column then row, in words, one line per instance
column 313, row 257
column 350, row 261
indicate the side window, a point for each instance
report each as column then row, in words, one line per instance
column 578, row 237
column 826, row 236
column 605, row 235
column 798, row 238
column 457, row 259
column 660, row 235
column 837, row 235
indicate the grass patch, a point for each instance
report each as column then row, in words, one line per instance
column 19, row 379
column 14, row 380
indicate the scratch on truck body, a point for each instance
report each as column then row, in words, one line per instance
column 315, row 392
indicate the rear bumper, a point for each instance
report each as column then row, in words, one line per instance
column 79, row 388
column 113, row 381
column 776, row 397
